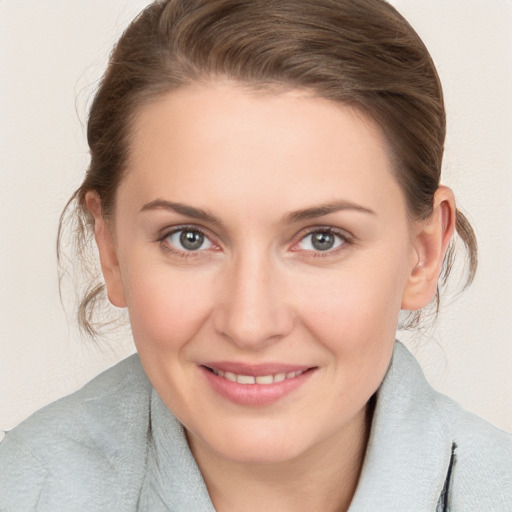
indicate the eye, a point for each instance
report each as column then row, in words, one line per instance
column 188, row 240
column 322, row 240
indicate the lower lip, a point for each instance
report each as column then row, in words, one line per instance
column 254, row 394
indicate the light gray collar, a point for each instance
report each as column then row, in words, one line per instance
column 173, row 481
column 410, row 448
column 405, row 469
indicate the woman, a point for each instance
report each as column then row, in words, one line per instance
column 264, row 191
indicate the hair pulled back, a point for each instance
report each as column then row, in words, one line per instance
column 361, row 53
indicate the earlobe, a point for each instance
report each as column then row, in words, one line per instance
column 431, row 239
column 107, row 251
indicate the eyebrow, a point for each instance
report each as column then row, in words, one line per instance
column 324, row 209
column 182, row 209
column 289, row 218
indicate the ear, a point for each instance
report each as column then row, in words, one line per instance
column 430, row 241
column 107, row 250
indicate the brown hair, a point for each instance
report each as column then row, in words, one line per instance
column 362, row 53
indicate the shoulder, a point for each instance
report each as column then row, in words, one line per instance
column 481, row 472
column 120, row 393
column 482, row 463
column 88, row 441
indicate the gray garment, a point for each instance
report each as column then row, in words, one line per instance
column 114, row 446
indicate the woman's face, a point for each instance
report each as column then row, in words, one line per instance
column 259, row 236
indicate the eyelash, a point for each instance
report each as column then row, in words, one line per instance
column 346, row 240
column 183, row 254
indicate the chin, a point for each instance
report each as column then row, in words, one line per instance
column 260, row 454
column 258, row 445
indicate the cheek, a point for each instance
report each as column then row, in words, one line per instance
column 166, row 307
column 353, row 301
column 354, row 312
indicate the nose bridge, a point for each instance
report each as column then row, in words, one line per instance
column 254, row 310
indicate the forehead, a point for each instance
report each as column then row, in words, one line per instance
column 223, row 142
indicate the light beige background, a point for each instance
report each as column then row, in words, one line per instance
column 51, row 55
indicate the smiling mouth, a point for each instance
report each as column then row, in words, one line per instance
column 260, row 379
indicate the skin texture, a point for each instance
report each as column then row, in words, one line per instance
column 257, row 290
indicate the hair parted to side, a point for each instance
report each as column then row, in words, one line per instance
column 361, row 53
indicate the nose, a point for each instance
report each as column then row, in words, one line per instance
column 253, row 310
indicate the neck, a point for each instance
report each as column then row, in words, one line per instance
column 324, row 478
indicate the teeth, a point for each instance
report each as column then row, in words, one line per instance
column 245, row 379
column 266, row 379
column 230, row 376
column 261, row 379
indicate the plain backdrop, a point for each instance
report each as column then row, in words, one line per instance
column 52, row 54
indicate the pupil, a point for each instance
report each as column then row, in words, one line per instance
column 191, row 240
column 323, row 241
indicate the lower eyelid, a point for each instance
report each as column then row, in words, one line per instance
column 343, row 240
column 162, row 239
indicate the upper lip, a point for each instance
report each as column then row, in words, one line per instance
column 255, row 370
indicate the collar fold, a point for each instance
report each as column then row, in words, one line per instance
column 410, row 447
